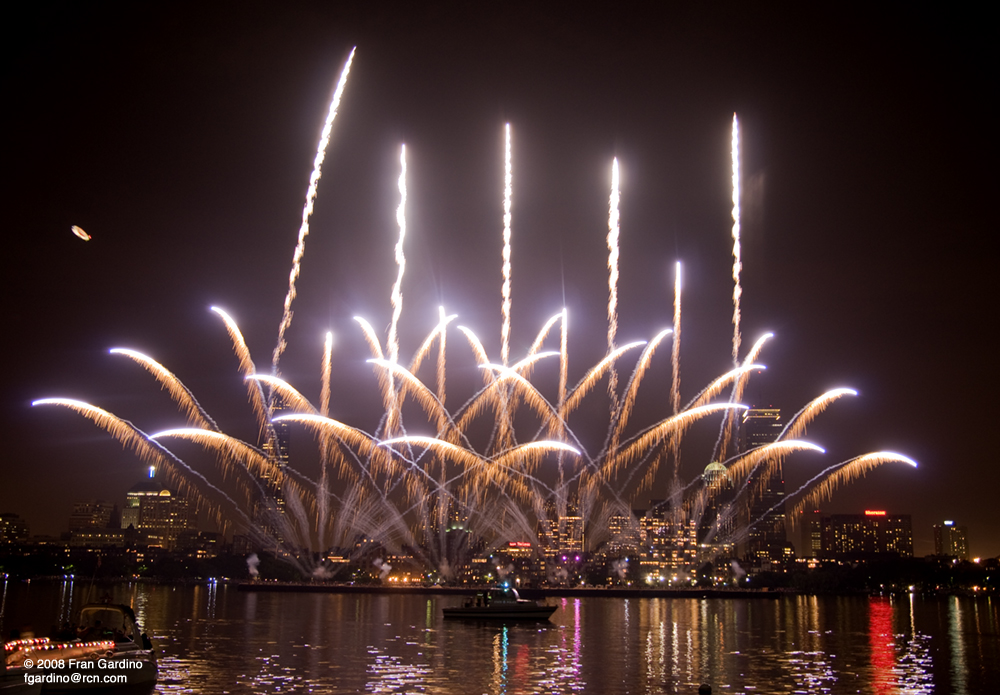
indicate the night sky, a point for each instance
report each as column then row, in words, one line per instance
column 181, row 137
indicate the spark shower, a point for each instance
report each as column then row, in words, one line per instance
column 502, row 466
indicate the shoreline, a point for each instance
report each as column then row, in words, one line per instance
column 526, row 592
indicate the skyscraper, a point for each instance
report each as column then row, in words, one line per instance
column 951, row 540
column 862, row 535
column 715, row 527
column 766, row 485
column 160, row 513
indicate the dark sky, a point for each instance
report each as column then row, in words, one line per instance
column 181, row 137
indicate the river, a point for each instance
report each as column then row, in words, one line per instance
column 216, row 639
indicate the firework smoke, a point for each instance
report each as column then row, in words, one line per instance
column 300, row 247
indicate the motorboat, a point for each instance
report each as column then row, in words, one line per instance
column 108, row 653
column 14, row 679
column 500, row 603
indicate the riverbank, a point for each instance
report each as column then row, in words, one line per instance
column 527, row 592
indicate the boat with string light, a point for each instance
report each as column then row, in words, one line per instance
column 109, row 653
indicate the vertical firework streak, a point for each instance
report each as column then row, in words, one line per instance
column 563, row 357
column 443, row 321
column 397, row 296
column 675, row 363
column 300, row 248
column 504, row 438
column 322, row 499
column 507, row 190
column 613, row 281
column 737, row 261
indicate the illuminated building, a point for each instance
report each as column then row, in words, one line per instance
column 716, row 519
column 158, row 512
column 560, row 532
column 270, row 502
column 623, row 536
column 12, row 528
column 951, row 540
column 766, row 535
column 811, row 529
column 875, row 532
column 667, row 546
column 93, row 514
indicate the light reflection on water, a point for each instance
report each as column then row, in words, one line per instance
column 216, row 639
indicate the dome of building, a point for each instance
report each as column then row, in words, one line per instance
column 714, row 472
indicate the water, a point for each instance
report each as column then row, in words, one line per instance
column 216, row 639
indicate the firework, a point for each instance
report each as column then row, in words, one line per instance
column 737, row 262
column 300, row 247
column 507, row 189
column 796, row 426
column 177, row 390
column 481, row 465
column 613, row 281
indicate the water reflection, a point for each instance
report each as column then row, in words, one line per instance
column 215, row 639
column 883, row 649
column 958, row 669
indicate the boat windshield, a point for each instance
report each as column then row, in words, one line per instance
column 104, row 618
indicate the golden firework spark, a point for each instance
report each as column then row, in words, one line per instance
column 852, row 469
column 177, row 390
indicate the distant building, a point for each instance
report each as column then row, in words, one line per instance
column 951, row 540
column 847, row 536
column 560, row 530
column 157, row 512
column 717, row 522
column 13, row 529
column 668, row 544
column 274, row 442
column 93, row 514
column 766, row 535
column 811, row 533
column 623, row 536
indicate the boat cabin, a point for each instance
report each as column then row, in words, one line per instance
column 107, row 620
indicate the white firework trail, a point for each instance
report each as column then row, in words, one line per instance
column 397, row 293
column 443, row 322
column 563, row 357
column 737, row 261
column 506, row 424
column 300, row 248
column 507, row 190
column 675, row 353
column 675, row 361
column 613, row 230
column 324, row 398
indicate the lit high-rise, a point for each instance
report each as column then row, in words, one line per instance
column 766, row 535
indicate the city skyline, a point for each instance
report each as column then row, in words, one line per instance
column 219, row 229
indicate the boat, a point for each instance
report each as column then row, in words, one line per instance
column 503, row 603
column 109, row 654
column 14, row 679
